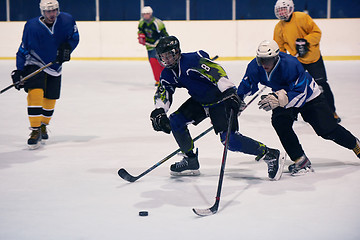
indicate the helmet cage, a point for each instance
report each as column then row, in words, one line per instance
column 283, row 9
column 170, row 58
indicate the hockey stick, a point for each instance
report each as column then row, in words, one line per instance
column 27, row 77
column 128, row 177
column 212, row 210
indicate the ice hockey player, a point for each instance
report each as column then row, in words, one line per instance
column 297, row 33
column 150, row 30
column 48, row 38
column 212, row 94
column 293, row 91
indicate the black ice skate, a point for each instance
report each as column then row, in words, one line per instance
column 35, row 138
column 356, row 149
column 188, row 166
column 275, row 162
column 301, row 166
column 44, row 134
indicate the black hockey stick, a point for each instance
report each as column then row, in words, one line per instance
column 128, row 177
column 212, row 210
column 27, row 77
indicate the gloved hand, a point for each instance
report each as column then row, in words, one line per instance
column 16, row 76
column 63, row 53
column 233, row 102
column 142, row 38
column 273, row 100
column 302, row 46
column 160, row 121
column 242, row 105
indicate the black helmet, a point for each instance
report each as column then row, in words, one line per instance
column 168, row 51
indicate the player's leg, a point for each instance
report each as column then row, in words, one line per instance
column 51, row 94
column 34, row 87
column 244, row 144
column 189, row 112
column 282, row 120
column 318, row 114
column 318, row 72
column 155, row 66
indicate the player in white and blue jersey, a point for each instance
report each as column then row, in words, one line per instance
column 48, row 38
column 294, row 91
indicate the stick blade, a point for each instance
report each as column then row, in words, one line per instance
column 204, row 212
column 126, row 176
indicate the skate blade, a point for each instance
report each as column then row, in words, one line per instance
column 282, row 159
column 185, row 173
column 303, row 172
column 34, row 146
column 44, row 141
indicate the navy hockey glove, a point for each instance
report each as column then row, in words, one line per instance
column 63, row 53
column 16, row 76
column 302, row 46
column 160, row 121
column 273, row 100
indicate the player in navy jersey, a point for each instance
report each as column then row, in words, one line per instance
column 48, row 38
column 213, row 95
column 294, row 91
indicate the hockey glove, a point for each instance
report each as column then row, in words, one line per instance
column 302, row 46
column 16, row 76
column 63, row 53
column 160, row 121
column 233, row 102
column 273, row 100
column 142, row 38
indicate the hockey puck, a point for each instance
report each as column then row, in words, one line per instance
column 143, row 213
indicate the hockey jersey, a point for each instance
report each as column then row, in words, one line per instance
column 300, row 25
column 205, row 80
column 287, row 74
column 153, row 30
column 40, row 43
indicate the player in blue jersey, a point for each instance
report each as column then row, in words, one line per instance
column 212, row 94
column 48, row 38
column 293, row 91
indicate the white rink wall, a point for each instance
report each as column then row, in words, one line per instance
column 229, row 39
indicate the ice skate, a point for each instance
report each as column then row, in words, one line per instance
column 275, row 162
column 44, row 134
column 35, row 138
column 188, row 166
column 301, row 166
column 356, row 149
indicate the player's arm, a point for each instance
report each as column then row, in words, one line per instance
column 314, row 32
column 162, row 101
column 249, row 84
column 278, row 38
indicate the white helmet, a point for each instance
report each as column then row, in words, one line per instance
column 147, row 9
column 48, row 5
column 267, row 50
column 283, row 9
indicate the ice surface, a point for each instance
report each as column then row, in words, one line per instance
column 69, row 188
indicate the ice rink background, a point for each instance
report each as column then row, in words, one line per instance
column 69, row 188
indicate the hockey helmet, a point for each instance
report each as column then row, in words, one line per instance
column 283, row 9
column 48, row 5
column 168, row 51
column 267, row 53
column 147, row 10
